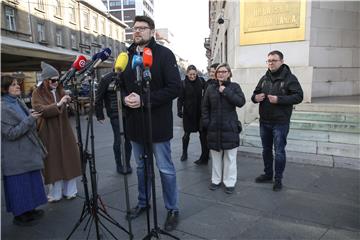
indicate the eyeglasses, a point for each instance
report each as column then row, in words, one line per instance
column 222, row 72
column 54, row 80
column 272, row 61
column 139, row 29
column 14, row 84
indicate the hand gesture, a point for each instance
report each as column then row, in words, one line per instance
column 221, row 88
column 35, row 114
column 260, row 97
column 273, row 99
column 132, row 100
column 65, row 99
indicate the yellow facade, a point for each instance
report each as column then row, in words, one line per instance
column 272, row 21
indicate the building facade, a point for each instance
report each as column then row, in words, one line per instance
column 126, row 10
column 55, row 31
column 320, row 41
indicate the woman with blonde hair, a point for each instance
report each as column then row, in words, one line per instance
column 62, row 165
column 223, row 127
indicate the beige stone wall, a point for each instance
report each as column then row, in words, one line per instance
column 335, row 48
column 314, row 60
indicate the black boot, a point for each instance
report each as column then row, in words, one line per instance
column 204, row 158
column 185, row 141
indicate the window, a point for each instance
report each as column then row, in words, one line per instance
column 95, row 23
column 86, row 19
column 10, row 18
column 41, row 5
column 102, row 26
column 59, row 41
column 41, row 32
column 129, row 15
column 87, row 40
column 57, row 8
column 116, row 3
column 129, row 2
column 73, row 41
column 72, row 12
column 103, row 41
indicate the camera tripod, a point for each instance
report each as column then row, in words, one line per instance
column 91, row 209
column 148, row 160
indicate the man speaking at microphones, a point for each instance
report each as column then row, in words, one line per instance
column 106, row 93
column 164, row 88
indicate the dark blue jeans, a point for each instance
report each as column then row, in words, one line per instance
column 162, row 153
column 116, row 146
column 274, row 134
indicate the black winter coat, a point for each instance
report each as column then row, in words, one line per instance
column 219, row 115
column 164, row 87
column 189, row 103
column 106, row 93
column 283, row 84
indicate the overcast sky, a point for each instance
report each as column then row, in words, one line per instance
column 188, row 21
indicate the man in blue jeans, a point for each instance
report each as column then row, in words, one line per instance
column 164, row 88
column 277, row 91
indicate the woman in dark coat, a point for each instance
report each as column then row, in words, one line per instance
column 223, row 127
column 22, row 156
column 62, row 164
column 189, row 106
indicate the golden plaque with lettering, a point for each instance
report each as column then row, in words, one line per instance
column 266, row 21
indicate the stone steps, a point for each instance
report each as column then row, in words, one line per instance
column 325, row 126
column 305, row 135
column 326, row 117
column 328, row 108
column 308, row 158
column 320, row 134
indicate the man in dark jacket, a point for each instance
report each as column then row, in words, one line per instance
column 106, row 93
column 164, row 87
column 277, row 91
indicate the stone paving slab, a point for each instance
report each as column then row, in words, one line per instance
column 316, row 202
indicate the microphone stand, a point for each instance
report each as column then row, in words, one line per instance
column 91, row 208
column 122, row 146
column 156, row 231
column 145, row 155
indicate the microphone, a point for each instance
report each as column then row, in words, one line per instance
column 147, row 62
column 147, row 58
column 137, row 63
column 96, row 60
column 121, row 62
column 76, row 66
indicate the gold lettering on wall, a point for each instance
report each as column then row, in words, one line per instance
column 263, row 21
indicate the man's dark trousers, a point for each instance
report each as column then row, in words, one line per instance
column 274, row 134
column 116, row 146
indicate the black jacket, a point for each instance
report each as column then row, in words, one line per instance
column 106, row 93
column 283, row 84
column 164, row 85
column 219, row 115
column 189, row 103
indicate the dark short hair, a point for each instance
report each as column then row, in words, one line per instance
column 276, row 52
column 146, row 19
column 191, row 67
column 214, row 65
column 6, row 81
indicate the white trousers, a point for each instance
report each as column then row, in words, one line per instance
column 224, row 167
column 62, row 187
